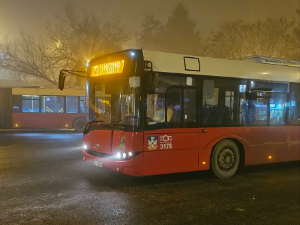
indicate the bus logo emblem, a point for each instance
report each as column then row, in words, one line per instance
column 166, row 142
column 96, row 146
column 152, row 142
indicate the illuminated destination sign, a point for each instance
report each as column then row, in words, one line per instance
column 108, row 68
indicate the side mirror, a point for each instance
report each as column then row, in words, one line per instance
column 61, row 80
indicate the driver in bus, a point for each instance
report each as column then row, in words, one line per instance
column 159, row 113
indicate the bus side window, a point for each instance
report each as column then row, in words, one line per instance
column 52, row 104
column 71, row 104
column 189, row 105
column 279, row 109
column 17, row 103
column 82, row 105
column 30, row 103
column 210, row 106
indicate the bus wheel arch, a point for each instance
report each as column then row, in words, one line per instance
column 227, row 157
column 78, row 124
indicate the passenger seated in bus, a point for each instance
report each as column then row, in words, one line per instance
column 159, row 113
column 174, row 109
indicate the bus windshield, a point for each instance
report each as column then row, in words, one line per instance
column 113, row 101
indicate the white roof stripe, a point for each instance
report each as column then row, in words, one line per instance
column 174, row 63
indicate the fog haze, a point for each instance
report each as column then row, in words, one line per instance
column 32, row 14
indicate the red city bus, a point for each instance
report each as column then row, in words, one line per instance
column 48, row 108
column 158, row 113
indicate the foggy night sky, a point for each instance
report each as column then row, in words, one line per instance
column 30, row 15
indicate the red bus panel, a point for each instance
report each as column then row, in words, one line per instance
column 181, row 150
column 44, row 120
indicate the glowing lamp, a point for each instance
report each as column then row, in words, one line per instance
column 118, row 155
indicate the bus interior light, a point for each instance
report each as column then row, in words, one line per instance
column 132, row 53
column 270, row 157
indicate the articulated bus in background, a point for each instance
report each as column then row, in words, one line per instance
column 159, row 113
column 48, row 108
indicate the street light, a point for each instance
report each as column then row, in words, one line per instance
column 58, row 43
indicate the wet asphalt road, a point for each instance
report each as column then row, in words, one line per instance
column 43, row 180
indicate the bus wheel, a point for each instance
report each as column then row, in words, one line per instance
column 78, row 124
column 225, row 159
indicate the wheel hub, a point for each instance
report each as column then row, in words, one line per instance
column 226, row 159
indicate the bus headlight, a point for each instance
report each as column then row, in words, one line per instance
column 124, row 155
column 84, row 146
column 118, row 155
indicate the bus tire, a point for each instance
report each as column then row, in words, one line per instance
column 78, row 124
column 225, row 159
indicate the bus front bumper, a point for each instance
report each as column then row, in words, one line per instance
column 132, row 167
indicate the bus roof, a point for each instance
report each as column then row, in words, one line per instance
column 196, row 65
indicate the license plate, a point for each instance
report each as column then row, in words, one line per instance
column 98, row 164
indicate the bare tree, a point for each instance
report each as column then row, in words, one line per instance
column 272, row 38
column 28, row 56
column 69, row 43
column 79, row 39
